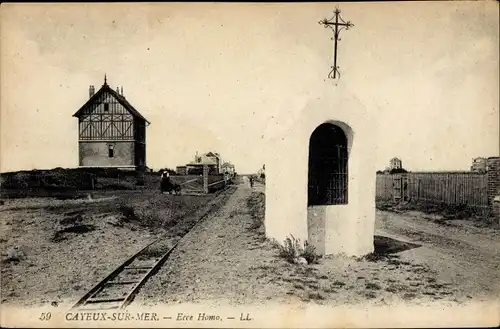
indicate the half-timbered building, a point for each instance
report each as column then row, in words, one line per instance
column 111, row 132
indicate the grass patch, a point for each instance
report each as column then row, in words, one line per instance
column 370, row 295
column 256, row 207
column 436, row 286
column 372, row 286
column 62, row 234
column 338, row 283
column 316, row 296
column 397, row 262
column 409, row 295
column 298, row 286
column 156, row 210
column 392, row 289
column 447, row 211
column 14, row 255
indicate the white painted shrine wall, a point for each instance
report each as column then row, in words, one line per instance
column 333, row 229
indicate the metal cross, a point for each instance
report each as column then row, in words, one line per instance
column 336, row 23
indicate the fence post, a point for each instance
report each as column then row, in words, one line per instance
column 140, row 176
column 493, row 184
column 205, row 179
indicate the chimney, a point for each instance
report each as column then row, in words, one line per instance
column 118, row 90
column 122, row 91
column 91, row 91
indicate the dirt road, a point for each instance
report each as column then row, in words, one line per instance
column 215, row 262
column 227, row 260
column 460, row 253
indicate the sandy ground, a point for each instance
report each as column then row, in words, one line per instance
column 49, row 271
column 227, row 261
column 459, row 252
column 54, row 251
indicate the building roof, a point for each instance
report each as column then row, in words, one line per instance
column 227, row 164
column 204, row 160
column 106, row 88
column 212, row 154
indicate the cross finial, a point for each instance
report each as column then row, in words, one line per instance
column 105, row 79
column 336, row 23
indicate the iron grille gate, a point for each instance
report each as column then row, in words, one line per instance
column 328, row 176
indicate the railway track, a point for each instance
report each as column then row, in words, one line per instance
column 118, row 289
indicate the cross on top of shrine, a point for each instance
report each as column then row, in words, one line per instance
column 336, row 23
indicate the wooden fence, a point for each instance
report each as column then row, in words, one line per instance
column 453, row 188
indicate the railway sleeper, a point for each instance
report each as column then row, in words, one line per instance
column 104, row 300
column 121, row 282
column 138, row 268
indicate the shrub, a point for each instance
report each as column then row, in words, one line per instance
column 128, row 212
column 309, row 253
column 292, row 249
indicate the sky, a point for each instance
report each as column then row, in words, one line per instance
column 216, row 77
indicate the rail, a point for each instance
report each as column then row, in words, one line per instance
column 101, row 296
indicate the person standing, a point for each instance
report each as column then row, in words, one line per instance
column 165, row 181
column 251, row 181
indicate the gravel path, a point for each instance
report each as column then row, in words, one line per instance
column 216, row 263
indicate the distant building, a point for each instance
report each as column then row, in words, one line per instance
column 228, row 168
column 479, row 165
column 216, row 158
column 111, row 132
column 395, row 163
column 181, row 170
column 212, row 160
column 262, row 172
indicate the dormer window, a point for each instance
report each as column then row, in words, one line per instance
column 106, row 107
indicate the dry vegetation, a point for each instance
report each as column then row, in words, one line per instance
column 235, row 264
column 383, row 277
column 442, row 213
column 256, row 205
column 54, row 250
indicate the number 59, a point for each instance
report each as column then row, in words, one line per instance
column 45, row 317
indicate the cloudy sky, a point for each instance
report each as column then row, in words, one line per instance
column 218, row 76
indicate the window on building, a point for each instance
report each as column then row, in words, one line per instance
column 328, row 156
column 106, row 107
column 111, row 151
